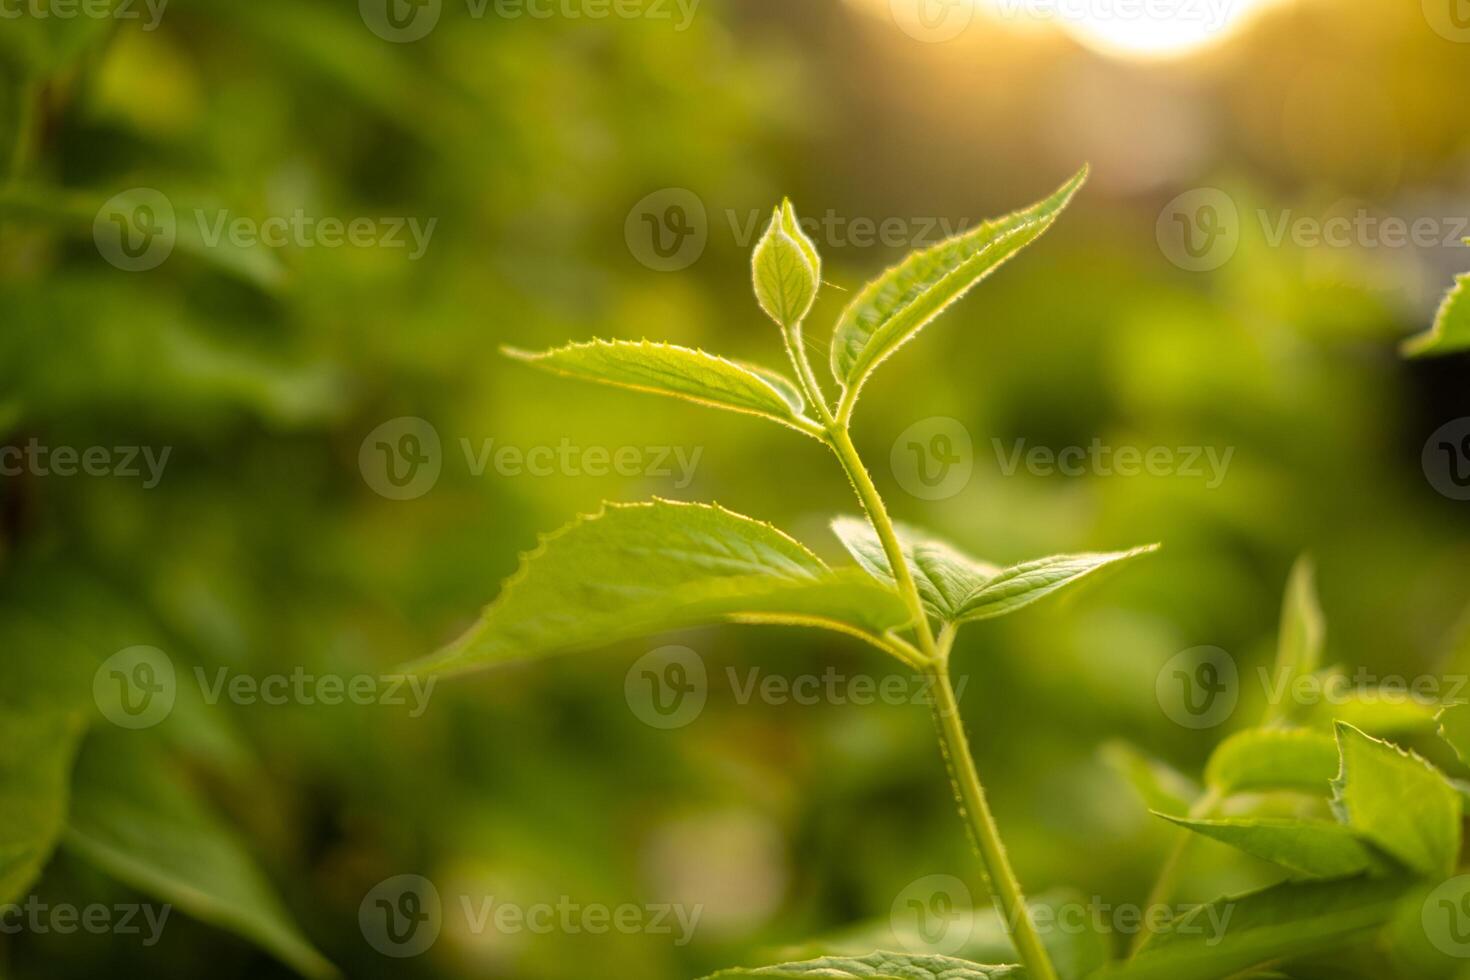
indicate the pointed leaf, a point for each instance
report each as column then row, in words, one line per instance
column 1163, row 789
column 1273, row 758
column 136, row 820
column 1314, row 848
column 1299, row 645
column 635, row 569
column 1021, row 585
column 880, row 966
column 1385, row 712
column 36, row 753
column 1398, row 801
column 666, row 369
column 1231, row 935
column 1454, row 728
column 944, row 575
column 1451, row 330
column 889, row 311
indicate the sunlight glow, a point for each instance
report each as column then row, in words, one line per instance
column 1142, row 29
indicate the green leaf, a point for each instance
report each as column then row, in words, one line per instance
column 1398, row 801
column 666, row 369
column 136, row 819
column 880, row 966
column 1021, row 585
column 1303, row 632
column 1163, row 789
column 1378, row 711
column 1314, row 848
column 944, row 576
column 635, row 569
column 1451, row 330
column 1293, row 919
column 785, row 269
column 1273, row 758
column 1076, row 944
column 1454, row 728
column 891, row 309
column 36, row 752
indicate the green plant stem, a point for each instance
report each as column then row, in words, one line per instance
column 1000, row 878
column 1163, row 888
column 805, row 376
column 872, row 502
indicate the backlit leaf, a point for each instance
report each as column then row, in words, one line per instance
column 636, row 569
column 681, row 372
column 890, row 310
column 1021, row 585
column 880, row 966
column 1314, row 848
column 945, row 577
column 1398, row 801
column 1273, row 758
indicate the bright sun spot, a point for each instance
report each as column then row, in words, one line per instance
column 1152, row 28
column 1130, row 28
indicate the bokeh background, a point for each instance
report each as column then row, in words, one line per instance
column 549, row 151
